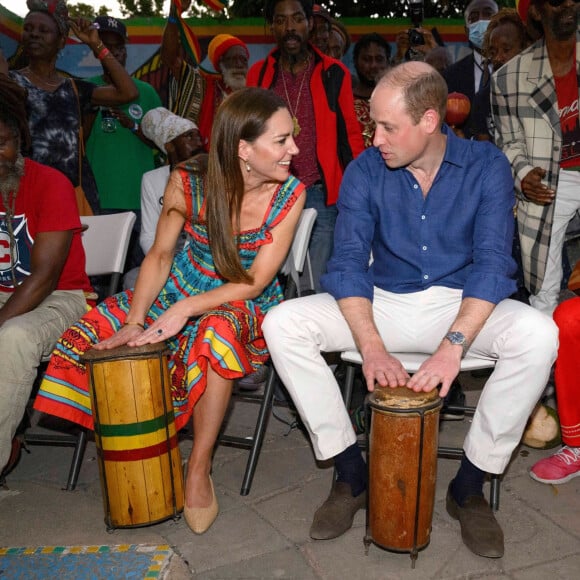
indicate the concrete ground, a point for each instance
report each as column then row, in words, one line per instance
column 265, row 534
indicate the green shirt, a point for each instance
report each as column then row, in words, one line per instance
column 119, row 159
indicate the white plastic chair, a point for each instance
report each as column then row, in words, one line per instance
column 298, row 259
column 412, row 361
column 294, row 264
column 106, row 241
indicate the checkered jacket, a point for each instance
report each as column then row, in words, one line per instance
column 527, row 128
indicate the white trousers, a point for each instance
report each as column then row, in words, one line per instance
column 523, row 340
column 567, row 205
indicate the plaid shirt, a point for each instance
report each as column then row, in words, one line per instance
column 527, row 128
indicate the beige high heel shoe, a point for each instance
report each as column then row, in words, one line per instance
column 200, row 519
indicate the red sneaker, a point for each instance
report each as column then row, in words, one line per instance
column 559, row 468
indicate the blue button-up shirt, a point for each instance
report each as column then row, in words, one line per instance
column 459, row 236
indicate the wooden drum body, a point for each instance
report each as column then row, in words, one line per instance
column 135, row 434
column 402, row 468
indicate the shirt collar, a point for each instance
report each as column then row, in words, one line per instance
column 454, row 152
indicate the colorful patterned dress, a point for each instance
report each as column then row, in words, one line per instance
column 228, row 337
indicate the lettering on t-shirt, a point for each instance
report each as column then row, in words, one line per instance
column 20, row 258
column 567, row 93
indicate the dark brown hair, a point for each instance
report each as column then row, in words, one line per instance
column 242, row 116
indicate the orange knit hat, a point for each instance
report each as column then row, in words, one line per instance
column 220, row 44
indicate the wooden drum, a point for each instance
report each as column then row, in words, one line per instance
column 402, row 468
column 139, row 459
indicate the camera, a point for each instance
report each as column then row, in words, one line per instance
column 108, row 121
column 416, row 38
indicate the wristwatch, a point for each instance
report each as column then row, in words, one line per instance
column 456, row 337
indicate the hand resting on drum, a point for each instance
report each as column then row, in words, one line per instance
column 439, row 369
column 166, row 326
column 125, row 334
column 131, row 334
column 382, row 368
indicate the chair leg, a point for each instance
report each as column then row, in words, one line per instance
column 260, row 432
column 494, row 492
column 77, row 460
column 348, row 385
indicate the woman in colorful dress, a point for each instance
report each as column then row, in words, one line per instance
column 55, row 103
column 207, row 302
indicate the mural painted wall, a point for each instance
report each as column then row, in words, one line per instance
column 145, row 37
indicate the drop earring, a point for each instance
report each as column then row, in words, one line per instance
column 248, row 168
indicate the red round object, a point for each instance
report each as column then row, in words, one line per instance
column 458, row 107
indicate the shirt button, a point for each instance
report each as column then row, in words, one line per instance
column 424, row 248
column 426, row 277
column 423, row 217
column 415, row 186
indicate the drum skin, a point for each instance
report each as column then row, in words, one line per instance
column 402, row 467
column 135, row 435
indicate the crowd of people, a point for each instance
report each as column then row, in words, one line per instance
column 423, row 230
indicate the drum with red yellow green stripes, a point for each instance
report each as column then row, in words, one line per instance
column 139, row 459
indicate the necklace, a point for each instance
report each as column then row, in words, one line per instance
column 38, row 78
column 294, row 110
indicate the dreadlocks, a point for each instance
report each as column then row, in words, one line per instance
column 13, row 116
column 13, row 109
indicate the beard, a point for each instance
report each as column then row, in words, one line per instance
column 565, row 23
column 13, row 174
column 233, row 79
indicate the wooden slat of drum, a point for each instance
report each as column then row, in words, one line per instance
column 156, row 470
column 126, row 477
column 146, row 379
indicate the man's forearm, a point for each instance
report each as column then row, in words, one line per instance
column 358, row 313
column 473, row 314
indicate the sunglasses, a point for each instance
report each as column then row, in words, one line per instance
column 558, row 3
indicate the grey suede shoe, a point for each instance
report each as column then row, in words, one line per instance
column 480, row 531
column 335, row 516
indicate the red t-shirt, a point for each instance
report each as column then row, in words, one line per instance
column 567, row 93
column 45, row 203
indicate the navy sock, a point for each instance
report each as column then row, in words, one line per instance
column 467, row 482
column 352, row 469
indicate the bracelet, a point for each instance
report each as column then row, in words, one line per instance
column 104, row 52
column 134, row 324
column 172, row 19
column 135, row 128
column 99, row 46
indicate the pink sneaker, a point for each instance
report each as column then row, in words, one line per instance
column 559, row 468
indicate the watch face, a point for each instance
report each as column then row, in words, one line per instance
column 456, row 338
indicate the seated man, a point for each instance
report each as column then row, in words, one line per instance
column 436, row 213
column 179, row 139
column 42, row 263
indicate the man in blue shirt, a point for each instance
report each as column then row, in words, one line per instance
column 435, row 213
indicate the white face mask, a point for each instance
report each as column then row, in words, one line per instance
column 477, row 32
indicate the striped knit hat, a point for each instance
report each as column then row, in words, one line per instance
column 220, row 44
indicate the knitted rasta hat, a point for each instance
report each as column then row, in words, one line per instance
column 220, row 44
